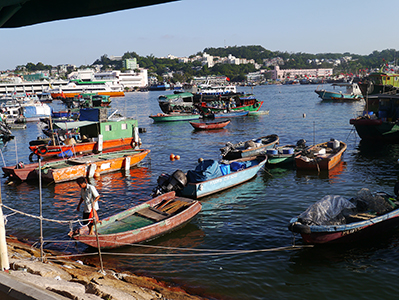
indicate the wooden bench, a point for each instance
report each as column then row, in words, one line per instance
column 152, row 213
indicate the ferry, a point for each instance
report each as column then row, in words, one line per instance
column 76, row 87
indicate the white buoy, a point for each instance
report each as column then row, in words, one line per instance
column 304, row 115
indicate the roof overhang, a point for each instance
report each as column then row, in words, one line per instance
column 18, row 13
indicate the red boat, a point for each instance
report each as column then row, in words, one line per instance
column 209, row 125
column 141, row 223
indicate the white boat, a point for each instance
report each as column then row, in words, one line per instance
column 352, row 92
column 24, row 108
column 212, row 90
column 77, row 86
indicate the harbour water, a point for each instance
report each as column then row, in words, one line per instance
column 252, row 216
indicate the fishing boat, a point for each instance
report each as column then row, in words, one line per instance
column 89, row 165
column 209, row 125
column 352, row 92
column 210, row 177
column 249, row 148
column 334, row 219
column 379, row 83
column 284, row 155
column 173, row 117
column 178, row 102
column 323, row 156
column 92, row 136
column 141, row 223
column 379, row 121
column 239, row 102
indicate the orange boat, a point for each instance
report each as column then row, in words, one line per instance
column 89, row 165
column 322, row 156
column 92, row 137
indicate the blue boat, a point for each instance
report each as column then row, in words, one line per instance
column 232, row 173
column 352, row 92
column 231, row 114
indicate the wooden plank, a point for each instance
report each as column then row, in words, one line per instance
column 152, row 213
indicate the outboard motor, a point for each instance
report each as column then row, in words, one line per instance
column 168, row 183
column 301, row 143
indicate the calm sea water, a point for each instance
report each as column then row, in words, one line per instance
column 252, row 216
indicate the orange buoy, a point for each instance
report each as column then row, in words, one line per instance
column 96, row 175
column 177, row 156
column 172, row 156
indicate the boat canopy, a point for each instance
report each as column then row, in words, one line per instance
column 175, row 96
column 70, row 125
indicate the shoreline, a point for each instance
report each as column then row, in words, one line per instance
column 69, row 278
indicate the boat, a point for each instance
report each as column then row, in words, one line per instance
column 334, row 219
column 378, row 123
column 230, row 174
column 45, row 97
column 173, row 117
column 141, row 223
column 228, row 114
column 379, row 83
column 239, row 102
column 352, row 92
column 86, row 100
column 178, row 102
column 78, row 86
column 88, row 165
column 159, row 87
column 209, row 91
column 323, row 156
column 284, row 155
column 249, row 148
column 87, row 135
column 25, row 108
column 210, row 125
column 210, row 176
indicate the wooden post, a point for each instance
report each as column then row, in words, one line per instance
column 127, row 166
column 4, row 264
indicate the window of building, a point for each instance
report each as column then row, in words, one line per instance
column 108, row 127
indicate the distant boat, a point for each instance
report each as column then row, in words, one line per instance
column 249, row 148
column 323, row 156
column 209, row 125
column 334, row 219
column 178, row 102
column 352, row 92
column 160, row 87
column 141, row 223
column 77, row 86
column 173, row 117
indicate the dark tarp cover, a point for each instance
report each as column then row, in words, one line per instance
column 206, row 170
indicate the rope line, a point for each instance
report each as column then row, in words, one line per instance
column 44, row 219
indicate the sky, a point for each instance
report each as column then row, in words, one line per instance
column 186, row 27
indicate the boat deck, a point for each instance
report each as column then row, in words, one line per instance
column 145, row 216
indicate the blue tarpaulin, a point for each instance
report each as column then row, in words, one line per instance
column 207, row 169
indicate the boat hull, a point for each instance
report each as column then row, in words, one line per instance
column 76, row 94
column 101, row 164
column 205, row 188
column 322, row 162
column 210, row 125
column 48, row 151
column 268, row 142
column 348, row 233
column 141, row 234
column 325, row 95
column 175, row 118
column 376, row 130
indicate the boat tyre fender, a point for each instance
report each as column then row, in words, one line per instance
column 32, row 157
column 256, row 105
column 299, row 228
column 42, row 149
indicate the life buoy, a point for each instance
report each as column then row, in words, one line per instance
column 42, row 149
